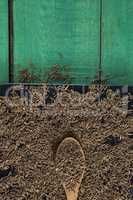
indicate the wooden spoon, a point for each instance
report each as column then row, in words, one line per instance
column 70, row 162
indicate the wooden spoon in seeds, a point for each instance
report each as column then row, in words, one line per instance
column 70, row 166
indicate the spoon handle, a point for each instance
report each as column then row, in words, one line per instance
column 72, row 194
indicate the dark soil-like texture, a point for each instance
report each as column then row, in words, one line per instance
column 70, row 162
column 30, row 135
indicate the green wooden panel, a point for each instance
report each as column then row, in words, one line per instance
column 62, row 32
column 117, row 59
column 3, row 41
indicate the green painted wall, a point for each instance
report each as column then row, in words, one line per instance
column 117, row 43
column 66, row 34
column 57, row 32
column 3, row 42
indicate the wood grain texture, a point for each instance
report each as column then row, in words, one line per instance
column 117, row 60
column 3, row 41
column 57, row 32
column 68, row 33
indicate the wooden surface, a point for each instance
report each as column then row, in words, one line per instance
column 117, row 55
column 57, row 32
column 72, row 187
column 68, row 33
column 3, row 41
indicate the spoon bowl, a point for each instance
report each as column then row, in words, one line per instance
column 70, row 166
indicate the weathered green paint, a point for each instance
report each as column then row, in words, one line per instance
column 67, row 32
column 117, row 44
column 3, row 41
column 57, row 32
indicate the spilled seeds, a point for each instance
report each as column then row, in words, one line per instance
column 70, row 162
column 29, row 138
